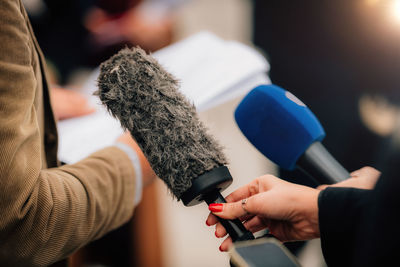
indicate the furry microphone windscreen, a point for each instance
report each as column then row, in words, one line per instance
column 145, row 98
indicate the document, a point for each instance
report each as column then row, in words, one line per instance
column 210, row 71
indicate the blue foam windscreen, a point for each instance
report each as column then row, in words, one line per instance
column 278, row 124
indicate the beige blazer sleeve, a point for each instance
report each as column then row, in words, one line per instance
column 47, row 213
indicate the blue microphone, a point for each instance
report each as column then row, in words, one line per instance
column 285, row 130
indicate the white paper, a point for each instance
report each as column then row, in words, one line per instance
column 210, row 67
column 210, row 70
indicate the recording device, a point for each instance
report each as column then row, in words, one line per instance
column 285, row 130
column 145, row 98
column 261, row 252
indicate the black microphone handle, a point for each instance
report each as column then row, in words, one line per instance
column 321, row 165
column 235, row 228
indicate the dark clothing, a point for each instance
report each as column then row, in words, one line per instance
column 48, row 211
column 359, row 227
column 340, row 213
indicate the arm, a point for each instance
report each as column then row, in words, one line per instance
column 46, row 214
column 295, row 212
column 341, row 213
column 369, row 231
column 378, row 236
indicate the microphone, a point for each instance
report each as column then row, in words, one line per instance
column 285, row 130
column 145, row 98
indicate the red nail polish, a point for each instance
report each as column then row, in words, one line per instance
column 220, row 249
column 216, row 234
column 207, row 223
column 215, row 207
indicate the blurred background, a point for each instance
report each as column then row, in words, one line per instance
column 341, row 58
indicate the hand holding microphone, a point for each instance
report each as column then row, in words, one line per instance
column 288, row 210
column 284, row 130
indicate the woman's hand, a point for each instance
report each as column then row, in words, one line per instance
column 364, row 178
column 288, row 210
column 69, row 104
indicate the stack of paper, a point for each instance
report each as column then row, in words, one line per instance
column 210, row 70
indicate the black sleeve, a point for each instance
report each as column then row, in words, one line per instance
column 361, row 227
column 378, row 239
column 340, row 213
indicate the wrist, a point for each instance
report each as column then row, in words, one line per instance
column 308, row 202
column 147, row 172
column 313, row 212
column 135, row 161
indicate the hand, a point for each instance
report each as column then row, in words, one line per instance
column 364, row 178
column 288, row 210
column 149, row 31
column 68, row 104
column 148, row 173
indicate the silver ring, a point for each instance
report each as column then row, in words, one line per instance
column 244, row 201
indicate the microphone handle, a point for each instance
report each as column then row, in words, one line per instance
column 235, row 228
column 321, row 165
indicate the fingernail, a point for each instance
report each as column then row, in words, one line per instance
column 207, row 223
column 220, row 249
column 216, row 234
column 215, row 207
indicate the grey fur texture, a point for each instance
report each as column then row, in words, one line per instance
column 145, row 98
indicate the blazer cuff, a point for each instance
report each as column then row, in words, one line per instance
column 138, row 170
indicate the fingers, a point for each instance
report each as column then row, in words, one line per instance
column 366, row 172
column 233, row 210
column 364, row 178
column 244, row 191
column 211, row 219
column 239, row 194
column 69, row 104
column 77, row 111
column 253, row 225
column 226, row 244
column 359, row 182
column 256, row 186
column 220, row 230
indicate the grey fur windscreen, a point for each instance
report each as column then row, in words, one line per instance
column 145, row 98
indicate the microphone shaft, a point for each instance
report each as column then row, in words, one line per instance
column 321, row 165
column 235, row 228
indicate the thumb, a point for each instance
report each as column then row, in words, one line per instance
column 233, row 210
